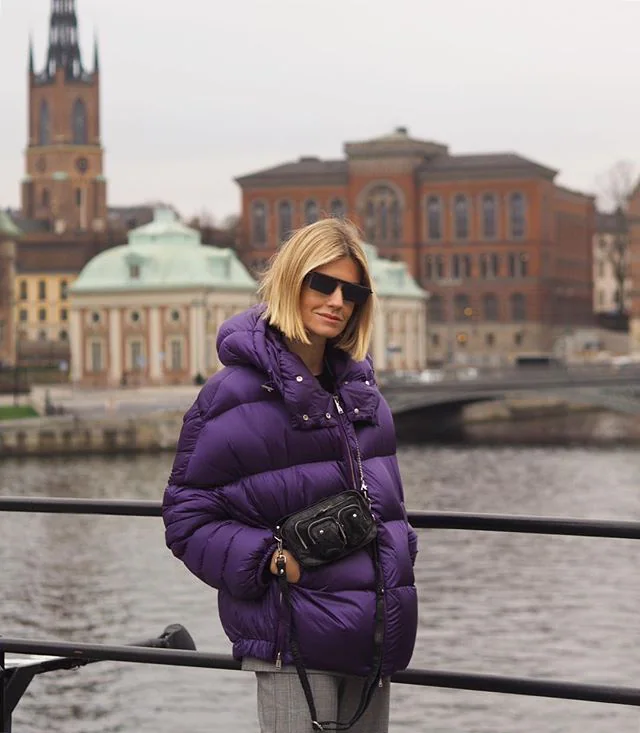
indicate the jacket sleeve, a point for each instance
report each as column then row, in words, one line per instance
column 221, row 551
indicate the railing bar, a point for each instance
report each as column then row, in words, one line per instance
column 431, row 678
column 419, row 519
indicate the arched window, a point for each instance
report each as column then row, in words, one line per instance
column 466, row 265
column 435, row 309
column 489, row 222
column 44, row 122
column 337, row 208
column 490, row 307
column 461, row 307
column 517, row 215
column 259, row 223
column 284, row 220
column 461, row 216
column 383, row 216
column 79, row 123
column 434, row 217
column 311, row 213
column 518, row 307
column 455, row 267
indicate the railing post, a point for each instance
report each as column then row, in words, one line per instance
column 5, row 712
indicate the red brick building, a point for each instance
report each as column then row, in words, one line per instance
column 505, row 252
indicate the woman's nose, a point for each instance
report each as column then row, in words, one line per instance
column 336, row 298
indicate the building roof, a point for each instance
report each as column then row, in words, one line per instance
column 433, row 161
column 7, row 228
column 392, row 279
column 163, row 255
column 611, row 222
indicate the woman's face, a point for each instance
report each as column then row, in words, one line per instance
column 326, row 316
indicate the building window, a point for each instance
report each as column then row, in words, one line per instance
column 259, row 223
column 24, row 315
column 434, row 217
column 435, row 339
column 63, row 336
column 24, row 292
column 42, row 335
column 135, row 317
column 466, row 266
column 42, row 290
column 490, row 339
column 428, row 267
column 175, row 316
column 435, row 309
column 64, row 314
column 285, row 225
column 461, row 307
column 518, row 338
column 96, row 356
column 337, row 208
column 455, row 267
column 440, row 267
column 42, row 315
column 495, row 265
column 79, row 123
column 484, row 266
column 489, row 219
column 64, row 290
column 95, row 317
column 176, row 354
column 135, row 354
column 383, row 220
column 518, row 307
column 524, row 264
column 134, row 272
column 44, row 124
column 517, row 215
column 490, row 307
column 45, row 197
column 461, row 216
column 311, row 214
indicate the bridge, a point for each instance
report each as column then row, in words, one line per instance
column 415, row 404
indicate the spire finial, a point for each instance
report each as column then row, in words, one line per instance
column 64, row 49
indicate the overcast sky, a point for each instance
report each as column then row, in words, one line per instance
column 196, row 92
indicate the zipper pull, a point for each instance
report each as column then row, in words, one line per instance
column 279, row 661
column 337, row 401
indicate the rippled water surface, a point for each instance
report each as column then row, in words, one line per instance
column 547, row 607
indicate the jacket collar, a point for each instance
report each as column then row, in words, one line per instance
column 248, row 339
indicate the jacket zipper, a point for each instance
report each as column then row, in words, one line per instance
column 344, row 432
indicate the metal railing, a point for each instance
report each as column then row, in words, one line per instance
column 179, row 649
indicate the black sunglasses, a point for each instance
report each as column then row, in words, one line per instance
column 325, row 284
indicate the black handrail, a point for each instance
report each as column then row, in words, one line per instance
column 419, row 520
column 424, row 677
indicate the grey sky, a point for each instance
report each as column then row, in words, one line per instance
column 196, row 92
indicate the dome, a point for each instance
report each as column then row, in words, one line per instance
column 163, row 255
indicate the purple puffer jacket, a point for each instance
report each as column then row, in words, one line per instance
column 264, row 440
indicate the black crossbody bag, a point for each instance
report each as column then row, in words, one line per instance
column 325, row 532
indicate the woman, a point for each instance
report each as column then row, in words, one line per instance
column 293, row 418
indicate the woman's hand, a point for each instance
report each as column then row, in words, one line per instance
column 292, row 567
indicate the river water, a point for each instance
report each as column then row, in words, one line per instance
column 546, row 607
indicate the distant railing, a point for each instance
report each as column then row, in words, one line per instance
column 16, row 676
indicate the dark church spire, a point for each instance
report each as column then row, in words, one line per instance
column 31, row 66
column 64, row 48
column 96, row 56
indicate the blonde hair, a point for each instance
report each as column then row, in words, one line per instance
column 307, row 249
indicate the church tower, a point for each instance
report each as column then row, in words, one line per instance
column 64, row 184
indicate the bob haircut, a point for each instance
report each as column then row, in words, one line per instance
column 307, row 249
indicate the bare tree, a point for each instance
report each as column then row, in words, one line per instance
column 616, row 185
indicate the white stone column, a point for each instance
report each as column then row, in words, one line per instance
column 156, row 370
column 77, row 355
column 197, row 345
column 379, row 341
column 115, row 346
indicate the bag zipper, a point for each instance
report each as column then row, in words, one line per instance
column 344, row 432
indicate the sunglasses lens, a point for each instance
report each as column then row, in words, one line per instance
column 355, row 293
column 322, row 283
